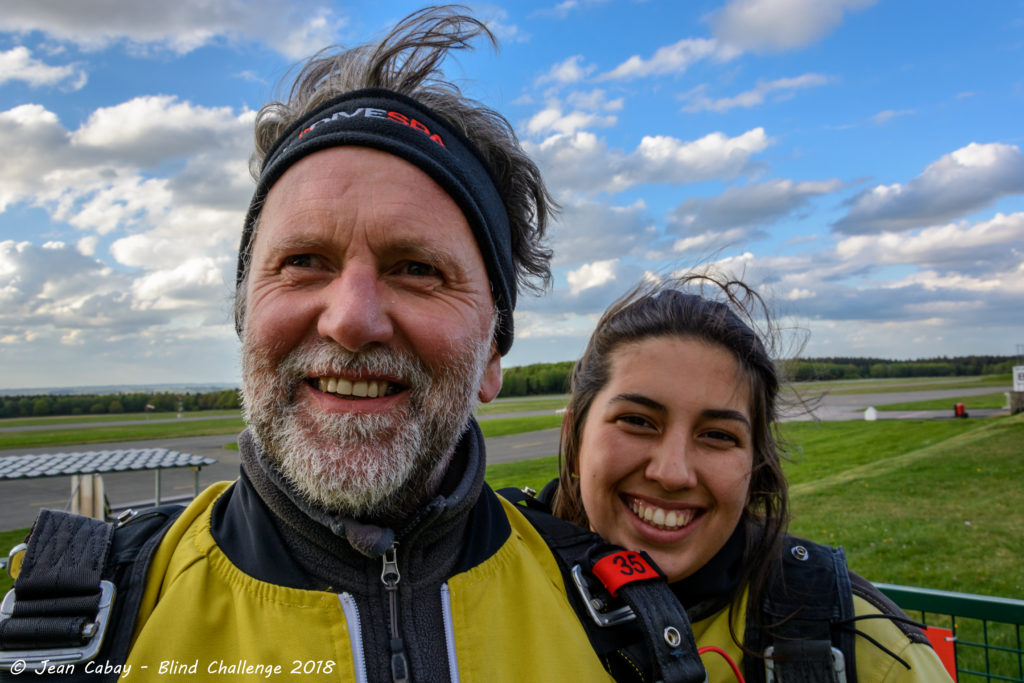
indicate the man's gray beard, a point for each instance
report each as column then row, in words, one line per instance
column 366, row 466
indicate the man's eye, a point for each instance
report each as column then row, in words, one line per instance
column 419, row 269
column 302, row 261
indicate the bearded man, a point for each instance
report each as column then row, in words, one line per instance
column 392, row 225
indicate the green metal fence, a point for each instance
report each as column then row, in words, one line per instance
column 988, row 631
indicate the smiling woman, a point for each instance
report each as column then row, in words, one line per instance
column 669, row 447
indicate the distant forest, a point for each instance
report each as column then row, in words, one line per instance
column 99, row 404
column 553, row 378
column 524, row 380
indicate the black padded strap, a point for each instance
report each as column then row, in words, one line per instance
column 57, row 593
column 804, row 661
column 802, row 617
column 667, row 632
column 658, row 645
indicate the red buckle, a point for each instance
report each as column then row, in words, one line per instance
column 625, row 566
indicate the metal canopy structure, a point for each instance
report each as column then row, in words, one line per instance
column 98, row 463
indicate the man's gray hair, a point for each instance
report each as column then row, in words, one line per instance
column 408, row 61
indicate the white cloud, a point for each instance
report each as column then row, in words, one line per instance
column 781, row 88
column 553, row 119
column 496, row 19
column 571, row 70
column 181, row 26
column 779, row 25
column 194, row 282
column 711, row 242
column 595, row 100
column 966, row 180
column 665, row 159
column 747, row 206
column 883, row 117
column 564, row 8
column 100, row 165
column 670, row 59
column 991, row 246
column 183, row 234
column 35, row 141
column 582, row 161
column 17, row 64
column 595, row 231
column 146, row 130
column 591, row 275
column 172, row 237
column 796, row 294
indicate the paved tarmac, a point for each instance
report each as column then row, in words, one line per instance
column 21, row 499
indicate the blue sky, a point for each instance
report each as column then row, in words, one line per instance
column 859, row 161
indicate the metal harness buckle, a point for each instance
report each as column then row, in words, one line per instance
column 38, row 659
column 596, row 606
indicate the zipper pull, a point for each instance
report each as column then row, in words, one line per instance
column 390, row 576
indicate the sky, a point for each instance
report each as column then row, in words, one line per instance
column 858, row 161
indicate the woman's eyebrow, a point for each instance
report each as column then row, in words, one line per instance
column 638, row 398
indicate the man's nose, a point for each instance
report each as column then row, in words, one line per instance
column 672, row 465
column 355, row 310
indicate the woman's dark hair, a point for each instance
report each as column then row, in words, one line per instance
column 725, row 313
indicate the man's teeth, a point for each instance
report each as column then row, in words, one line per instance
column 360, row 389
column 663, row 519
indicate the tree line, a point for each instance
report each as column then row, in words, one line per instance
column 522, row 380
column 806, row 370
column 41, row 405
column 553, row 378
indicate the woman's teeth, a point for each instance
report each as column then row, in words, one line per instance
column 661, row 518
column 358, row 389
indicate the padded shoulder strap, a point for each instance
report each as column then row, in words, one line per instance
column 865, row 589
column 77, row 595
column 798, row 628
column 638, row 627
column 57, row 593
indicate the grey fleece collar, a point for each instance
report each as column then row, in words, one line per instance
column 436, row 518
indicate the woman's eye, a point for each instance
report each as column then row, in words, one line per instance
column 635, row 421
column 723, row 437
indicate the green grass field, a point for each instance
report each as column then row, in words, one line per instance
column 995, row 400
column 926, row 503
column 135, row 432
column 892, row 385
column 930, row 503
column 518, row 405
column 936, row 503
column 108, row 417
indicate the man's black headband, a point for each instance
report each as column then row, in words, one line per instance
column 396, row 124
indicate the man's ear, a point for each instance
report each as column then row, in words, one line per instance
column 490, row 383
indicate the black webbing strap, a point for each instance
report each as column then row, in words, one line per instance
column 657, row 641
column 57, row 592
column 800, row 626
column 804, row 661
column 669, row 639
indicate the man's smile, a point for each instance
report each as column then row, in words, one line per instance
column 352, row 389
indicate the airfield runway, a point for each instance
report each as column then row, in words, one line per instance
column 21, row 499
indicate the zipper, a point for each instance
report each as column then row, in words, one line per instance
column 355, row 635
column 449, row 633
column 390, row 576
